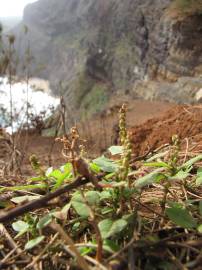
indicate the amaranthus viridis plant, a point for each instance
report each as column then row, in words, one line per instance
column 173, row 159
column 124, row 168
column 125, row 143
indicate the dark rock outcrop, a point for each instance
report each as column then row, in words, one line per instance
column 89, row 49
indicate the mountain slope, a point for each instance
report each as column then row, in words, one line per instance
column 90, row 49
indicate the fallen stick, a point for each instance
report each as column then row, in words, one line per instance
column 41, row 202
column 87, row 176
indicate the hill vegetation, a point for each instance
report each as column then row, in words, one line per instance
column 110, row 212
column 81, row 47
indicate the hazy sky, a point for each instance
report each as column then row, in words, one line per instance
column 13, row 7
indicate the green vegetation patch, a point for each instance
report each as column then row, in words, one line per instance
column 189, row 6
column 153, row 207
column 96, row 99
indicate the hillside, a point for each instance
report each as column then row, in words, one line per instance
column 90, row 50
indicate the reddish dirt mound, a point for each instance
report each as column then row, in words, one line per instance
column 185, row 121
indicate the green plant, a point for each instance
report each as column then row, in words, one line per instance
column 118, row 209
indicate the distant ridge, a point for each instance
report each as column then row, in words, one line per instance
column 9, row 22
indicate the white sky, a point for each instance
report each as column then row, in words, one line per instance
column 13, row 8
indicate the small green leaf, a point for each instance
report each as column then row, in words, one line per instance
column 106, row 210
column 113, row 184
column 109, row 176
column 94, row 168
column 129, row 218
column 190, row 162
column 85, row 250
column 5, row 204
column 55, row 174
column 172, row 204
column 157, row 164
column 105, row 226
column 34, row 242
column 117, row 227
column 199, row 228
column 81, row 209
column 128, row 192
column 199, row 171
column 61, row 177
column 66, row 208
column 105, row 195
column 181, row 217
column 67, row 167
column 109, row 228
column 63, row 213
column 78, row 203
column 106, row 164
column 80, row 206
column 37, row 179
column 110, row 246
column 20, row 225
column 76, row 226
column 116, row 150
column 93, row 197
column 148, row 179
column 181, row 175
column 157, row 156
column 43, row 222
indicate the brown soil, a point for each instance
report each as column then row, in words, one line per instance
column 101, row 132
column 98, row 132
column 46, row 150
column 184, row 121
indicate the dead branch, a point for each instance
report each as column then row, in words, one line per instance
column 42, row 202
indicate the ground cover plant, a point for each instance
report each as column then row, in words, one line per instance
column 113, row 212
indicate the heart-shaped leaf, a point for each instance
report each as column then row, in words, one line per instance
column 106, row 164
column 109, row 227
column 79, row 205
column 181, row 217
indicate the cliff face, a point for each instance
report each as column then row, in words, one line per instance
column 89, row 49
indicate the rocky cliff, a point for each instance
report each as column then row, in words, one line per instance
column 91, row 49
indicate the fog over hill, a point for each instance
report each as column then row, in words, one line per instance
column 91, row 49
column 9, row 23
